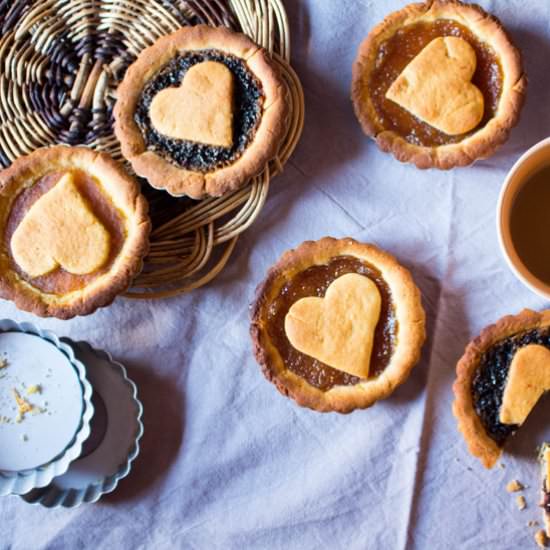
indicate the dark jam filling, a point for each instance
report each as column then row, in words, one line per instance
column 399, row 50
column 248, row 101
column 490, row 380
column 314, row 281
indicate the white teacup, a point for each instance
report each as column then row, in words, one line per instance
column 528, row 164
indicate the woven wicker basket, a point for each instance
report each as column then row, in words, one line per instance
column 60, row 64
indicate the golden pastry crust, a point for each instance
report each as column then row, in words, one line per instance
column 408, row 308
column 469, row 424
column 163, row 174
column 122, row 191
column 480, row 144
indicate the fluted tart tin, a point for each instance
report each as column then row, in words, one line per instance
column 114, row 442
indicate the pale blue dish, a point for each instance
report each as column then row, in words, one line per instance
column 14, row 481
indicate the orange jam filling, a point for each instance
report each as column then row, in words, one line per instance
column 314, row 281
column 399, row 50
column 60, row 281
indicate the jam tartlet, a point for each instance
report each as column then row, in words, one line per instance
column 337, row 324
column 201, row 111
column 438, row 84
column 500, row 378
column 74, row 231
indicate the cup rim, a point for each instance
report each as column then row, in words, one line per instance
column 514, row 262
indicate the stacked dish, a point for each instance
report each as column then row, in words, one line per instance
column 70, row 419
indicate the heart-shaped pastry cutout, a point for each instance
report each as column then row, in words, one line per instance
column 436, row 86
column 339, row 328
column 60, row 230
column 200, row 109
column 528, row 378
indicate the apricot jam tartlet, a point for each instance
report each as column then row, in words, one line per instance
column 74, row 231
column 439, row 84
column 337, row 324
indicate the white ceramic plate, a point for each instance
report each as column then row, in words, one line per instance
column 38, row 437
column 44, row 443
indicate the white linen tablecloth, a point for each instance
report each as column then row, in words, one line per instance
column 227, row 462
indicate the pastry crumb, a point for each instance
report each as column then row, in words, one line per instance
column 541, row 539
column 532, row 523
column 24, row 407
column 502, row 465
column 521, row 502
column 31, row 390
column 514, row 486
column 3, row 363
column 24, row 437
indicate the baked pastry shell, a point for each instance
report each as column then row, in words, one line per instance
column 482, row 143
column 409, row 314
column 469, row 424
column 264, row 146
column 123, row 192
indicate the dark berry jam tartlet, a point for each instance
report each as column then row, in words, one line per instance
column 201, row 111
column 500, row 378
